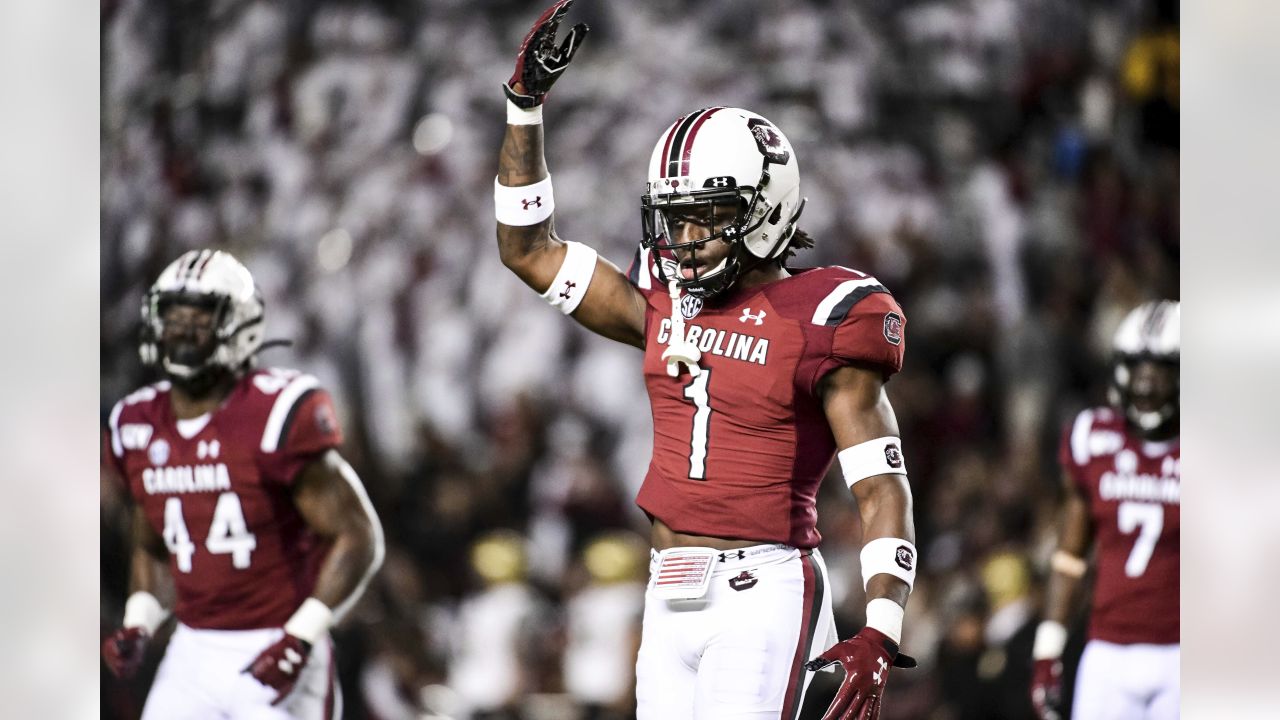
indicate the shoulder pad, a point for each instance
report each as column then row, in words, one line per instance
column 1093, row 434
column 288, row 387
column 850, row 287
column 145, row 394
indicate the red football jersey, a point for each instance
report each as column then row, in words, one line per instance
column 739, row 451
column 219, row 494
column 1133, row 489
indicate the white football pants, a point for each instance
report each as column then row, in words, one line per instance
column 1127, row 682
column 200, row 677
column 737, row 653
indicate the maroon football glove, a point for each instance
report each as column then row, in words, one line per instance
column 1046, row 689
column 539, row 61
column 866, row 658
column 279, row 666
column 123, row 651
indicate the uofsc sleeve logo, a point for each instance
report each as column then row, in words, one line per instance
column 893, row 328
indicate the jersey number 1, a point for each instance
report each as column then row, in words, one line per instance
column 696, row 391
column 228, row 533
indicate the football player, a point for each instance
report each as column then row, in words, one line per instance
column 758, row 376
column 1122, row 482
column 238, row 485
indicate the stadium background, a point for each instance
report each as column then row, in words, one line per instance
column 1008, row 168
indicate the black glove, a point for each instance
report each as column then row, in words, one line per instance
column 539, row 62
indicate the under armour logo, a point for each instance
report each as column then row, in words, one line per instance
column 568, row 286
column 739, row 554
column 536, row 202
column 290, row 659
column 877, row 674
column 208, row 449
column 746, row 315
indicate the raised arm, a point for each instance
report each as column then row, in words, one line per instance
column 570, row 276
column 866, row 429
column 1067, row 568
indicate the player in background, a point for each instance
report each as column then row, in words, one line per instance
column 238, row 484
column 1122, row 481
column 757, row 375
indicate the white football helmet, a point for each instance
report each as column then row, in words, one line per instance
column 1150, row 331
column 215, row 280
column 722, row 156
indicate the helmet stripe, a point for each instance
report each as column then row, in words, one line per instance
column 1156, row 322
column 666, row 147
column 199, row 271
column 677, row 144
column 189, row 265
column 693, row 132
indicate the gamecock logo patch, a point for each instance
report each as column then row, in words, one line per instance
column 769, row 141
column 743, row 581
column 893, row 456
column 893, row 328
column 905, row 558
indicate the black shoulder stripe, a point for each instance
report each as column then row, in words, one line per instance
column 288, row 420
column 842, row 308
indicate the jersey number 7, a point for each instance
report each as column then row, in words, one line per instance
column 1148, row 520
column 697, row 391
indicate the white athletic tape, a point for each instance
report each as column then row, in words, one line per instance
column 524, row 205
column 882, row 456
column 143, row 610
column 885, row 615
column 517, row 115
column 890, row 556
column 310, row 621
column 571, row 282
column 1051, row 638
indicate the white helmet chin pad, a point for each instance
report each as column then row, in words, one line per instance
column 216, row 277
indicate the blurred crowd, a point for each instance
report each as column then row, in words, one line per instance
column 1008, row 168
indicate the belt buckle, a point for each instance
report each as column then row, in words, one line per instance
column 683, row 573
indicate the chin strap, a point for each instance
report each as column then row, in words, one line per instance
column 278, row 342
column 678, row 349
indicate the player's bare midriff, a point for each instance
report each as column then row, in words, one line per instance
column 663, row 537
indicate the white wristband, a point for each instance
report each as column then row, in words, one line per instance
column 524, row 205
column 882, row 456
column 570, row 285
column 885, row 615
column 890, row 556
column 143, row 610
column 1051, row 639
column 517, row 115
column 310, row 621
column 1068, row 564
